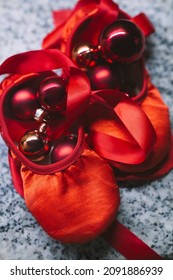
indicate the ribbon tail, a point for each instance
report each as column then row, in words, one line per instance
column 128, row 244
column 35, row 61
column 60, row 16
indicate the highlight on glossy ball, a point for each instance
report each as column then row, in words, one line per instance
column 85, row 55
column 23, row 103
column 103, row 77
column 63, row 148
column 34, row 146
column 52, row 94
column 122, row 41
column 43, row 116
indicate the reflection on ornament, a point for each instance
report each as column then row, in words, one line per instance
column 43, row 129
column 63, row 148
column 43, row 116
column 39, row 115
column 104, row 77
column 24, row 103
column 122, row 41
column 34, row 146
column 52, row 94
column 85, row 56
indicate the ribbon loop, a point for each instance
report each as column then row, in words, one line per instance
column 131, row 119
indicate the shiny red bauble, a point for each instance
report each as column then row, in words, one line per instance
column 52, row 94
column 122, row 41
column 85, row 56
column 104, row 77
column 23, row 103
column 63, row 149
column 34, row 146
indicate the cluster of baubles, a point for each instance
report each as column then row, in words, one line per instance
column 43, row 106
column 120, row 43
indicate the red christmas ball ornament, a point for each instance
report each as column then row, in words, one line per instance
column 85, row 56
column 104, row 77
column 122, row 41
column 34, row 146
column 63, row 148
column 52, row 94
column 23, row 103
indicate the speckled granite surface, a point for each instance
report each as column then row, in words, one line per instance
column 146, row 210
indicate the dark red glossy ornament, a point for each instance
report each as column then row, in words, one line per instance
column 85, row 56
column 52, row 94
column 24, row 103
column 63, row 148
column 34, row 146
column 104, row 77
column 122, row 41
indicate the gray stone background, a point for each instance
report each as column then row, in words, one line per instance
column 146, row 210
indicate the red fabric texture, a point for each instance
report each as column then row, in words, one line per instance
column 77, row 204
column 128, row 244
column 57, row 200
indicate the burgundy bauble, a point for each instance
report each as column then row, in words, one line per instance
column 52, row 94
column 34, row 146
column 104, row 77
column 63, row 148
column 23, row 103
column 122, row 41
column 85, row 56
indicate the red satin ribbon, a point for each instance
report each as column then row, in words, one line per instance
column 128, row 244
column 35, row 61
column 60, row 16
column 126, row 111
column 155, row 173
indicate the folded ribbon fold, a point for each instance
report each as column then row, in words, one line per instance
column 129, row 117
